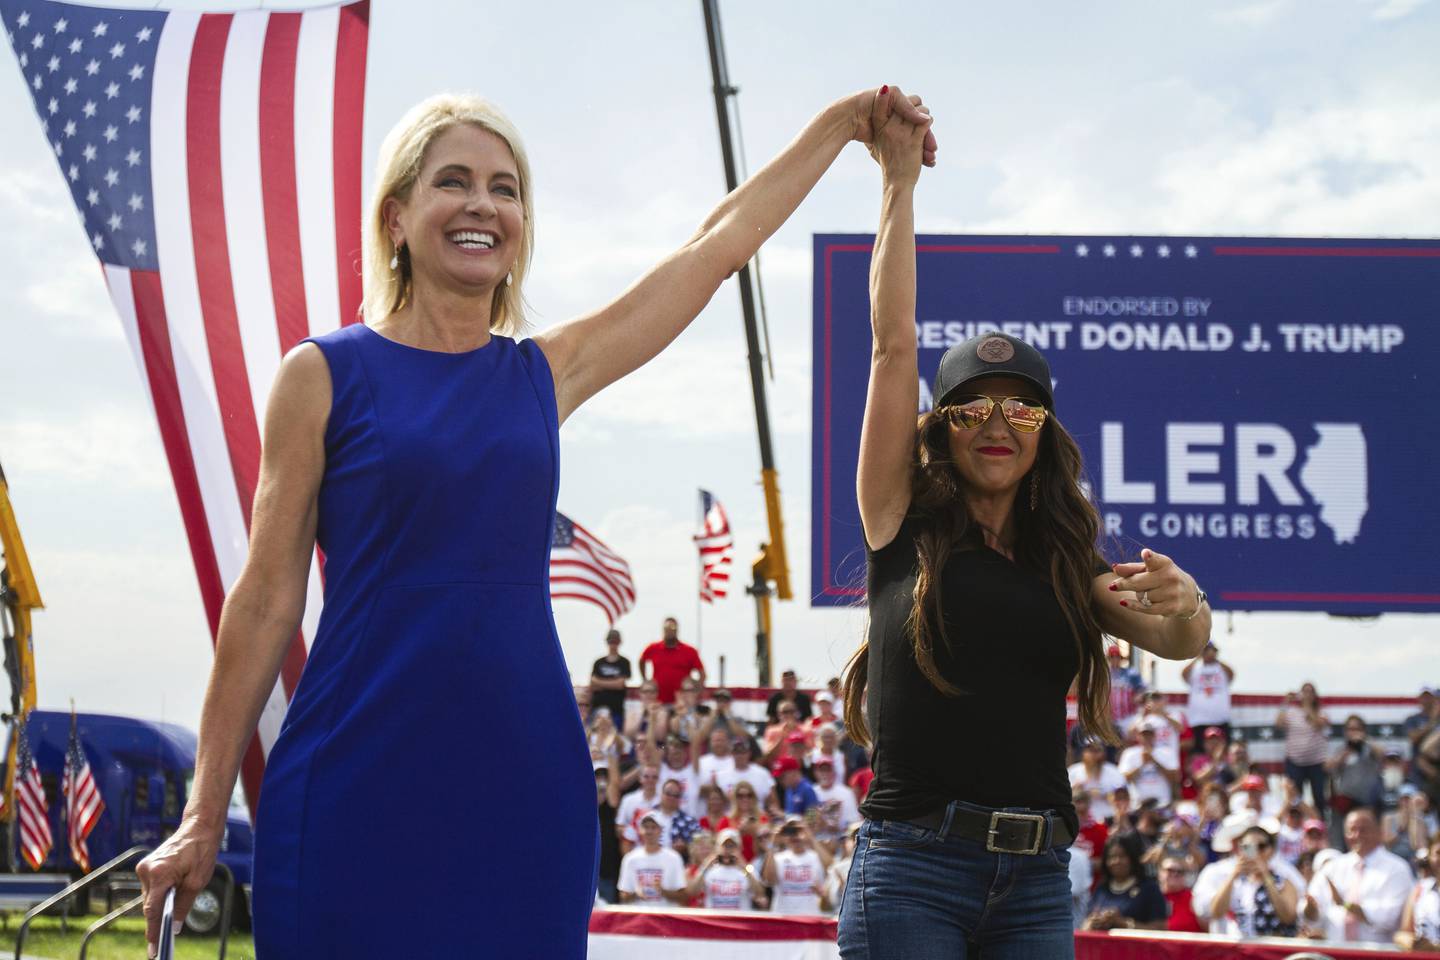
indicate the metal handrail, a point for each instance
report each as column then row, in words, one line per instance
column 226, row 903
column 106, row 920
column 74, row 888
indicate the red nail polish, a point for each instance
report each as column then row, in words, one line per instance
column 1124, row 603
column 1114, row 586
column 885, row 89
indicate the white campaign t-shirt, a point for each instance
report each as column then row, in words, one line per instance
column 1209, row 695
column 726, row 888
column 1100, row 787
column 836, row 758
column 1167, row 738
column 690, row 780
column 837, row 810
column 646, row 874
column 757, row 776
column 798, row 877
column 1151, row 783
column 710, row 765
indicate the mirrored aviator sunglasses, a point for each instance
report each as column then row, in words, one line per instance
column 1023, row 413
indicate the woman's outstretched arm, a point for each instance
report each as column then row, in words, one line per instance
column 887, row 436
column 591, row 352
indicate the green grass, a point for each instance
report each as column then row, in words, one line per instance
column 125, row 940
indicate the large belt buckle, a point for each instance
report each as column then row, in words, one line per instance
column 1034, row 818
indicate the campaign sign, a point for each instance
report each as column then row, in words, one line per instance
column 1262, row 410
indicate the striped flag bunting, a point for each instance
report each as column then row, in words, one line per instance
column 32, row 810
column 716, row 544
column 214, row 159
column 583, row 568
column 83, row 805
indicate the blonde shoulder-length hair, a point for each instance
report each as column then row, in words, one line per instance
column 401, row 157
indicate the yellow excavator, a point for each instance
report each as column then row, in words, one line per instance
column 19, row 596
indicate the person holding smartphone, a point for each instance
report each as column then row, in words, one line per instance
column 727, row 881
column 1262, row 891
column 795, row 868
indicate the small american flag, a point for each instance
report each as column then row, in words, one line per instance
column 35, row 837
column 716, row 545
column 583, row 568
column 214, row 159
column 83, row 805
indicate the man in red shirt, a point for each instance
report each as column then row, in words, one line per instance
column 669, row 661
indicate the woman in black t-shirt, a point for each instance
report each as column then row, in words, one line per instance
column 988, row 599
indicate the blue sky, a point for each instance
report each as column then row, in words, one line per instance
column 1244, row 118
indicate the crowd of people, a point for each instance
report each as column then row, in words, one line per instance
column 1179, row 829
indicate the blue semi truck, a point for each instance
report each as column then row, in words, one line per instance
column 144, row 770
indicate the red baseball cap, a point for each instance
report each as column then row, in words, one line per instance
column 822, row 761
column 1309, row 825
column 785, row 764
column 1214, row 732
column 1254, row 782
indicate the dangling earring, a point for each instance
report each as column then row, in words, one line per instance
column 1034, row 491
column 395, row 258
column 509, row 279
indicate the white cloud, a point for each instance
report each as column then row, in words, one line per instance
column 1393, row 9
column 1253, row 14
column 99, row 446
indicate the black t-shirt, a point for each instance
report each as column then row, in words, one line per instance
column 1010, row 652
column 614, row 700
column 802, row 705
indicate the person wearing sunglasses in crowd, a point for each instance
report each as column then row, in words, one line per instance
column 988, row 598
column 1261, row 891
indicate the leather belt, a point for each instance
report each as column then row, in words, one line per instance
column 1002, row 831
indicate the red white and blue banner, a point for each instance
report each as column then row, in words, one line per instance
column 214, row 159
column 1259, row 409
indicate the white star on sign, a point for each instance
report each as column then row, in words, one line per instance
column 1108, row 249
column 137, row 203
column 53, row 64
column 92, row 68
column 133, row 158
column 93, row 197
column 117, row 51
column 36, row 82
column 39, row 41
column 69, row 128
column 23, row 20
column 112, row 91
column 97, row 241
column 1081, row 250
column 114, row 222
column 111, row 133
column 133, row 114
column 24, row 59
column 144, row 34
column 136, row 72
column 59, row 148
column 139, row 247
column 1163, row 250
column 74, row 173
column 62, row 25
column 71, row 85
column 1136, row 250
column 53, row 106
column 75, row 45
column 112, row 177
column 89, row 152
column 1190, row 250
column 88, row 109
column 101, row 29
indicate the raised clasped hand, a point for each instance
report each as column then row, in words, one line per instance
column 888, row 114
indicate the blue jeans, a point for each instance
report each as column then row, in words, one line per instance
column 1313, row 774
column 917, row 894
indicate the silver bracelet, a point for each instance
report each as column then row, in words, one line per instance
column 1200, row 601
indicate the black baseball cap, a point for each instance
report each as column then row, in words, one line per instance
column 991, row 355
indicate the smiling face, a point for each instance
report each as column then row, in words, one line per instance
column 994, row 457
column 462, row 223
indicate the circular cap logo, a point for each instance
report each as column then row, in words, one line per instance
column 995, row 350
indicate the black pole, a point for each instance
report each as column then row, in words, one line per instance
column 763, row 569
column 723, row 91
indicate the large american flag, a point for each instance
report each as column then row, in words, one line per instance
column 31, row 808
column 83, row 805
column 583, row 568
column 716, row 546
column 215, row 162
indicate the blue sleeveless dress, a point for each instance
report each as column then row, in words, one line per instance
column 431, row 793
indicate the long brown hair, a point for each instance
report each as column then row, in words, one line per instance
column 1056, row 540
